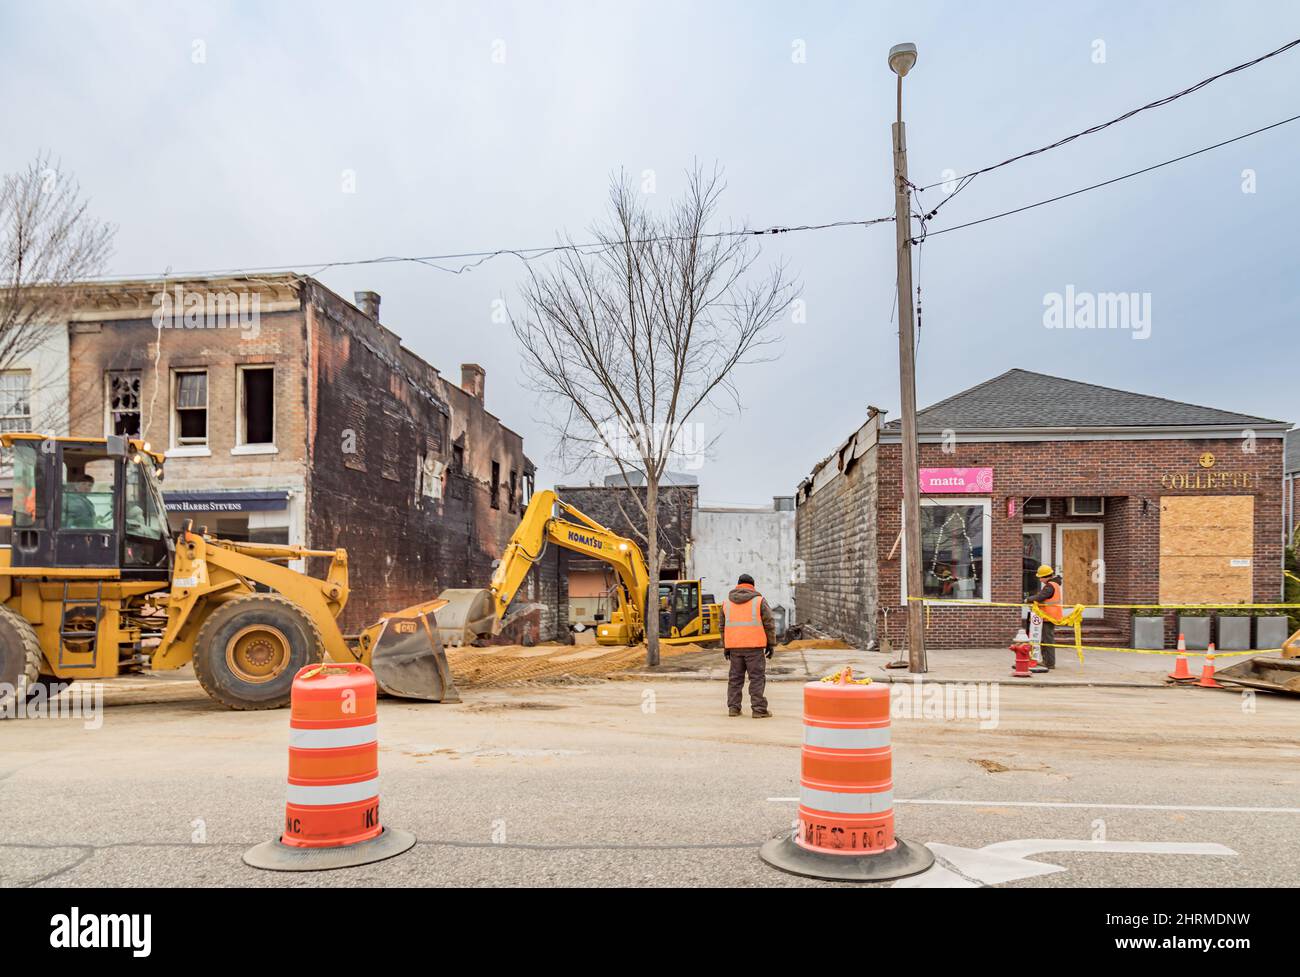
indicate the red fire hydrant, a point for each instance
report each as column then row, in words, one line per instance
column 1024, row 650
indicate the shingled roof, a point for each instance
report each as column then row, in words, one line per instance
column 1021, row 399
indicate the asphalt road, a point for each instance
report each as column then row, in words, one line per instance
column 649, row 783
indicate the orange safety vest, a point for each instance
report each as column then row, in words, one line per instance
column 1053, row 609
column 744, row 624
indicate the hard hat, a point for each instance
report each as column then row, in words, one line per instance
column 1045, row 571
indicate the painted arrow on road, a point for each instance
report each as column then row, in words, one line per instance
column 1007, row 861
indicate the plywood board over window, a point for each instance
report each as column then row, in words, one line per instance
column 1207, row 545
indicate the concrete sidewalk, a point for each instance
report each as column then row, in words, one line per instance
column 1099, row 668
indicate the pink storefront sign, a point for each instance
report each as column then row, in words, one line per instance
column 956, row 481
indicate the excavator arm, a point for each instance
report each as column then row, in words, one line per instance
column 472, row 614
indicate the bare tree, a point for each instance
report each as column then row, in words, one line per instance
column 632, row 338
column 49, row 242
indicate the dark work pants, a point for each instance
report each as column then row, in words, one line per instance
column 747, row 661
column 1049, row 637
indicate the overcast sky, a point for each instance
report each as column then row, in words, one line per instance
column 473, row 126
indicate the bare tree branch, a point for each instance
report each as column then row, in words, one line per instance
column 629, row 340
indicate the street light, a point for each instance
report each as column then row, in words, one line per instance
column 902, row 58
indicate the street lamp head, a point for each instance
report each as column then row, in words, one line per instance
column 901, row 58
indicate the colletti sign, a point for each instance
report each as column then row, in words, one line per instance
column 956, row 481
column 1203, row 478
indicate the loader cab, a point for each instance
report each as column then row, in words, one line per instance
column 86, row 504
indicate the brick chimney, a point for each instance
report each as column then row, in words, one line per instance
column 367, row 302
column 471, row 380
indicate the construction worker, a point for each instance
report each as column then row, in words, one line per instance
column 748, row 638
column 1048, row 599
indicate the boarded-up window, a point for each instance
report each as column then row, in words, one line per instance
column 354, row 448
column 1207, row 543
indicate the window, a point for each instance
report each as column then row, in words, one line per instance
column 496, row 485
column 87, row 491
column 512, row 502
column 954, row 550
column 429, row 475
column 191, row 400
column 257, row 405
column 124, row 403
column 15, row 400
column 1038, row 507
column 143, row 517
column 458, row 458
column 1087, row 506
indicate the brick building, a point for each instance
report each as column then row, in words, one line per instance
column 289, row 414
column 1291, row 486
column 1134, row 499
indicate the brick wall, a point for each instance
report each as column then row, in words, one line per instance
column 617, row 509
column 1127, row 473
column 835, row 544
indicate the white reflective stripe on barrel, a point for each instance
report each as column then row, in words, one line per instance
column 846, row 739
column 327, row 739
column 320, row 795
column 835, row 802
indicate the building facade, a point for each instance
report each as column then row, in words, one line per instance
column 1133, row 499
column 729, row 541
column 1291, row 488
column 290, row 415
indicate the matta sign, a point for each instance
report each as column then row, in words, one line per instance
column 956, row 481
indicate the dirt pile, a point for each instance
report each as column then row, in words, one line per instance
column 506, row 664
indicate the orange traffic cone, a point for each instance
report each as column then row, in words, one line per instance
column 1180, row 672
column 332, row 812
column 1207, row 672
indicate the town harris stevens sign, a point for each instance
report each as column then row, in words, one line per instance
column 956, row 481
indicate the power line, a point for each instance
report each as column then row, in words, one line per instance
column 1106, row 183
column 1127, row 115
column 480, row 257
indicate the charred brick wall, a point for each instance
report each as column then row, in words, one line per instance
column 385, row 426
column 1127, row 473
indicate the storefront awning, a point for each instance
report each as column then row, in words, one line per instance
column 262, row 500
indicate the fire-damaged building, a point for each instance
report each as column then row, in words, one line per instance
column 1133, row 499
column 290, row 415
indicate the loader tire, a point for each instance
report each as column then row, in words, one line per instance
column 20, row 660
column 249, row 649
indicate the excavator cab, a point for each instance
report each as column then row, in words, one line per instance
column 89, row 505
column 686, row 615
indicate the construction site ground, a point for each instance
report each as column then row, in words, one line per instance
column 643, row 780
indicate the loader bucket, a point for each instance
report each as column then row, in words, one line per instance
column 1268, row 674
column 469, row 615
column 408, row 659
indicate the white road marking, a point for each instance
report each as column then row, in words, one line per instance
column 1071, row 804
column 1006, row 861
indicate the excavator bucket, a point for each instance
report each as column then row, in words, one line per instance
column 407, row 656
column 468, row 615
column 1269, row 674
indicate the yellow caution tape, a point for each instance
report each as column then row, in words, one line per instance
column 1156, row 651
column 927, row 601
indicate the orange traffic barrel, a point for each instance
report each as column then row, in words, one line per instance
column 845, row 824
column 331, row 817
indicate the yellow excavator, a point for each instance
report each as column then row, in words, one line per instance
column 687, row 615
column 93, row 585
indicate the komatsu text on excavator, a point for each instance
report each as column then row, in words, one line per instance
column 687, row 615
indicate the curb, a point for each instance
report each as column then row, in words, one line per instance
column 890, row 680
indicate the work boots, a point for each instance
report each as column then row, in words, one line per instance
column 733, row 712
column 762, row 714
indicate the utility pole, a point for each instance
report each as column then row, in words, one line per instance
column 901, row 59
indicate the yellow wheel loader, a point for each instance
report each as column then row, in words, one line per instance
column 92, row 585
column 686, row 614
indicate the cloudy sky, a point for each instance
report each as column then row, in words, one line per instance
column 217, row 135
